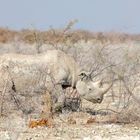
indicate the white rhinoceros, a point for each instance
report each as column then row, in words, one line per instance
column 28, row 71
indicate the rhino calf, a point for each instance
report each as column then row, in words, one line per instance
column 25, row 70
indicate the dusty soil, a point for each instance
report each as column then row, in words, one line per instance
column 87, row 124
column 71, row 126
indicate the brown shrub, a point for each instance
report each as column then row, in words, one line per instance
column 54, row 36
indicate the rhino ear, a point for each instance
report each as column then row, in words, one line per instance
column 84, row 75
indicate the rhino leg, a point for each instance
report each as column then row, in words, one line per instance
column 58, row 98
column 57, row 93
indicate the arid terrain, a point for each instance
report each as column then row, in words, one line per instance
column 104, row 55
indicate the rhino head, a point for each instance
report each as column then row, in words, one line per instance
column 91, row 91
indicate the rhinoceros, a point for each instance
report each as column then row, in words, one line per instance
column 26, row 71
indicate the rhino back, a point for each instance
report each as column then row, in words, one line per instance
column 31, row 71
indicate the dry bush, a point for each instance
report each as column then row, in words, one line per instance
column 29, row 100
column 126, row 70
column 28, row 36
column 7, row 35
column 36, row 99
column 65, row 35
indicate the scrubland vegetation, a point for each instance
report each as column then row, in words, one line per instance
column 106, row 56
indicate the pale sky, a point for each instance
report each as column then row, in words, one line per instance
column 93, row 15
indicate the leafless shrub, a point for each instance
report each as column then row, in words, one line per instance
column 128, row 74
column 27, row 101
column 32, row 98
column 38, row 41
column 61, row 39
